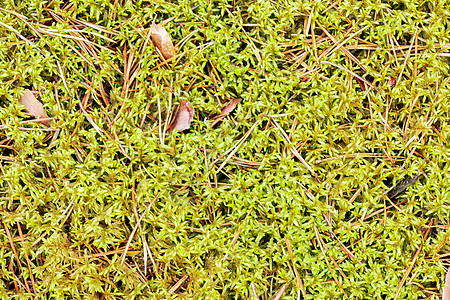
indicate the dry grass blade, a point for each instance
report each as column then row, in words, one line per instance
column 98, row 129
column 7, row 158
column 146, row 248
column 407, row 56
column 33, row 106
column 446, row 288
column 225, row 111
column 161, row 39
column 22, row 37
column 238, row 145
column 183, row 117
column 323, row 249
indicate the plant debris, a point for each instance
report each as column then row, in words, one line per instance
column 401, row 187
column 281, row 202
column 161, row 39
column 446, row 288
column 183, row 117
column 33, row 106
column 225, row 111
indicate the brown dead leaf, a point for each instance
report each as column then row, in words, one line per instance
column 183, row 117
column 161, row 39
column 225, row 111
column 446, row 288
column 33, row 106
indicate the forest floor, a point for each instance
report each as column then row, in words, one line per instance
column 315, row 165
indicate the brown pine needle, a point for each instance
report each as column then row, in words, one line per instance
column 297, row 277
column 178, row 284
column 280, row 293
column 236, row 236
column 352, row 73
column 238, row 145
column 135, row 229
column 416, row 255
column 255, row 294
column 407, row 55
column 322, row 246
column 294, row 150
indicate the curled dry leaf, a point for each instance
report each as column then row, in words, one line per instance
column 161, row 39
column 225, row 111
column 183, row 117
column 33, row 106
column 446, row 289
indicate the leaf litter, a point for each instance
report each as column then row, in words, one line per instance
column 183, row 117
column 161, row 39
column 34, row 107
column 225, row 111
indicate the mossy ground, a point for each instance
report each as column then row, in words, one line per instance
column 358, row 89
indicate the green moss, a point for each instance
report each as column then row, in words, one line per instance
column 76, row 195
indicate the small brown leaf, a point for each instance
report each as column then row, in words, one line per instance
column 183, row 117
column 225, row 111
column 446, row 288
column 33, row 106
column 161, row 39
